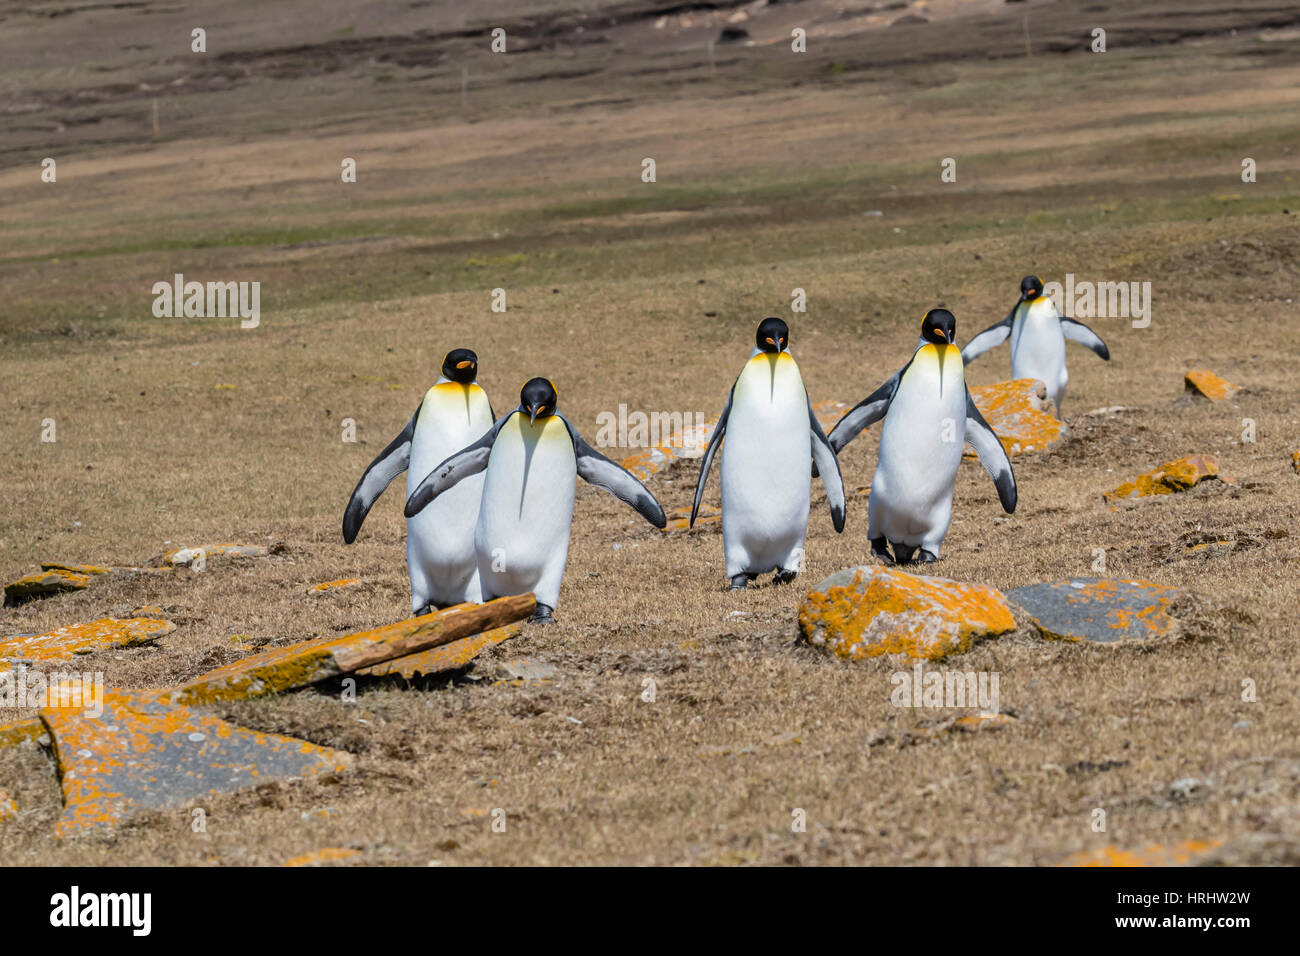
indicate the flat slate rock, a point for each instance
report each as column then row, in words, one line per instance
column 448, row 657
column 281, row 669
column 61, row 645
column 1098, row 610
column 44, row 584
column 863, row 612
column 147, row 752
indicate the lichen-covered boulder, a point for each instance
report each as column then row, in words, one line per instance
column 1020, row 414
column 43, row 584
column 1170, row 478
column 1203, row 383
column 864, row 612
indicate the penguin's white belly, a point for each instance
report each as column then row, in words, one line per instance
column 440, row 539
column 1038, row 349
column 921, row 445
column 766, row 468
column 522, row 537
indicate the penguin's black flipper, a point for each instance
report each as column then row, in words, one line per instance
column 707, row 461
column 990, row 338
column 865, row 414
column 1076, row 331
column 470, row 460
column 828, row 466
column 390, row 463
column 596, row 469
column 992, row 455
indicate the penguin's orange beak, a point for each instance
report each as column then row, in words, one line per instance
column 465, row 364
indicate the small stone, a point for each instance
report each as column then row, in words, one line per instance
column 1205, row 384
column 1170, row 478
column 59, row 646
column 1185, row 788
column 1098, row 610
column 183, row 556
column 863, row 612
column 525, row 668
column 333, row 585
column 8, row 808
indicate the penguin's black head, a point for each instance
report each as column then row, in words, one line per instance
column 537, row 398
column 772, row 336
column 460, row 365
column 939, row 327
column 1031, row 287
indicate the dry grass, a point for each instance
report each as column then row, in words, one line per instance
column 647, row 295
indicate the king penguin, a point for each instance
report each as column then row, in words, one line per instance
column 532, row 458
column 440, row 541
column 771, row 434
column 928, row 415
column 1038, row 333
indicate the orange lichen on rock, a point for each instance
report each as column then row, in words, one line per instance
column 43, row 584
column 20, row 731
column 449, row 657
column 829, row 413
column 1206, row 384
column 1187, row 853
column 76, row 568
column 1099, row 610
column 8, row 808
column 60, row 645
column 178, row 556
column 1170, row 478
column 329, row 854
column 864, row 612
column 144, row 751
column 679, row 519
column 333, row 585
column 688, row 441
column 1295, row 462
column 288, row 668
column 1020, row 414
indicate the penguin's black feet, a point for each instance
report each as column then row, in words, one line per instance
column 784, row 576
column 739, row 582
column 542, row 614
column 925, row 557
column 881, row 550
column 903, row 553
